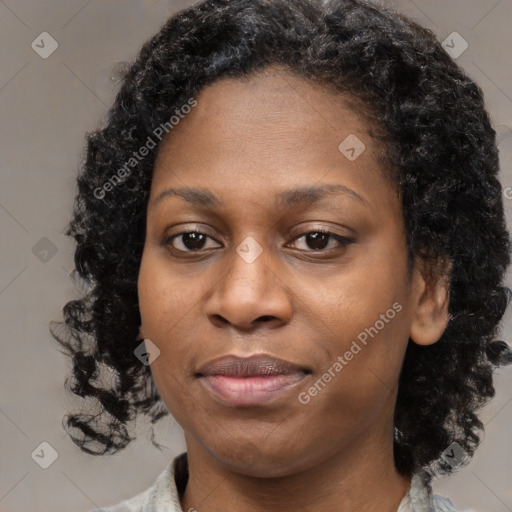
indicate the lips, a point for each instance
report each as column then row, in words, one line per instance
column 258, row 365
column 250, row 381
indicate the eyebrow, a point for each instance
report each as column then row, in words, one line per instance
column 294, row 198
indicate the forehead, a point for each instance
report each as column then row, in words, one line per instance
column 268, row 131
column 274, row 106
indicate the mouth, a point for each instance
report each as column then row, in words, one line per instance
column 250, row 381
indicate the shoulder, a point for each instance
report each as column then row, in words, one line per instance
column 422, row 498
column 164, row 494
column 133, row 504
column 443, row 504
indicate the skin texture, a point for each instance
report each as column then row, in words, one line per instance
column 246, row 142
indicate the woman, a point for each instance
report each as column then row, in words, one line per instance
column 295, row 205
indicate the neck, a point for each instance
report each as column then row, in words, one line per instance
column 360, row 476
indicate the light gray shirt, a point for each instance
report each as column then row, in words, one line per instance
column 164, row 494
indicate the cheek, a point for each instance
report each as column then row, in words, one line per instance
column 367, row 325
column 357, row 385
column 168, row 306
column 163, row 300
column 161, row 310
column 350, row 302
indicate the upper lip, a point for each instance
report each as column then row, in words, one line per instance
column 255, row 365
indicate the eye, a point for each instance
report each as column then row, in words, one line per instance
column 319, row 239
column 189, row 241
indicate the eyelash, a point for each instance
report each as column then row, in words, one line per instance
column 343, row 241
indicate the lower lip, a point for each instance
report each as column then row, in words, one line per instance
column 250, row 390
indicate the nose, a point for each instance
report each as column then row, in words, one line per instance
column 249, row 294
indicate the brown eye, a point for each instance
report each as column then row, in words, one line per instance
column 318, row 240
column 189, row 241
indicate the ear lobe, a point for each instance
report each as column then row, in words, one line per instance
column 141, row 334
column 430, row 315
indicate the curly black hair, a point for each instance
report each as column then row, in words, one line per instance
column 440, row 152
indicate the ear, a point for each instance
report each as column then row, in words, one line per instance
column 141, row 334
column 430, row 306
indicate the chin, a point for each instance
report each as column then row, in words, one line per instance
column 250, row 460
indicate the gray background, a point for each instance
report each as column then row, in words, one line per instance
column 46, row 106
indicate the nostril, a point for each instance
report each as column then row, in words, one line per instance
column 220, row 318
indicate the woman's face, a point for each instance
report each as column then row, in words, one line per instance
column 264, row 171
